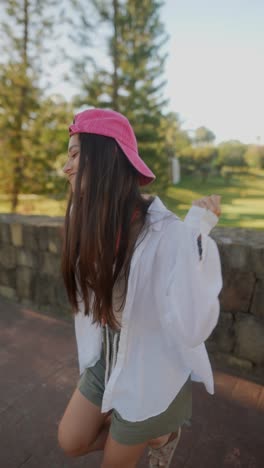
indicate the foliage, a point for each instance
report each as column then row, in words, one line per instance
column 198, row 160
column 129, row 79
column 24, row 29
column 254, row 156
column 176, row 139
column 231, row 153
column 19, row 103
column 44, row 145
column 203, row 136
column 47, row 147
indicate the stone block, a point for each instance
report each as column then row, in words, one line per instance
column 55, row 239
column 50, row 264
column 237, row 291
column 221, row 250
column 53, row 248
column 237, row 256
column 9, row 293
column 27, row 258
column 30, row 237
column 5, row 236
column 24, row 282
column 211, row 346
column 49, row 238
column 257, row 307
column 42, row 233
column 16, row 234
column 8, row 256
column 249, row 335
column 257, row 260
column 61, row 294
column 44, row 290
column 232, row 361
column 223, row 334
column 8, row 278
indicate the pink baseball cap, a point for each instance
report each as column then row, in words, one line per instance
column 113, row 124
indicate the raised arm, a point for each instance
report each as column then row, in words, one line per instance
column 195, row 280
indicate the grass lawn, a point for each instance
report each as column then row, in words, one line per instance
column 35, row 205
column 242, row 199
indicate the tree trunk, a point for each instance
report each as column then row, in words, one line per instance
column 14, row 200
column 19, row 159
column 115, row 56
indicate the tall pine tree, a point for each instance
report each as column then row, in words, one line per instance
column 25, row 26
column 132, row 81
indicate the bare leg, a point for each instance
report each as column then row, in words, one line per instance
column 85, row 429
column 80, row 425
column 101, row 438
column 118, row 455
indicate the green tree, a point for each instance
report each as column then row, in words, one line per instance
column 198, row 161
column 46, row 147
column 203, row 136
column 231, row 153
column 176, row 139
column 254, row 156
column 25, row 26
column 19, row 98
column 130, row 79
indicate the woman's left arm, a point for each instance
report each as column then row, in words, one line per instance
column 196, row 279
column 203, row 216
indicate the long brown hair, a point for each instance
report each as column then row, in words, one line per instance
column 96, row 214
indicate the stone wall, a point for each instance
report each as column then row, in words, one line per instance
column 238, row 339
column 30, row 249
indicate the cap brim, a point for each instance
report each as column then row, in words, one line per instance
column 146, row 176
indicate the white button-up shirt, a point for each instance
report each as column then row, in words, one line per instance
column 171, row 308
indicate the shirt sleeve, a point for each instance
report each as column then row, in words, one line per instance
column 195, row 280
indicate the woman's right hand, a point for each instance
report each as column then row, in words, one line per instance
column 211, row 202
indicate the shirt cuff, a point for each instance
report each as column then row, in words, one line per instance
column 201, row 218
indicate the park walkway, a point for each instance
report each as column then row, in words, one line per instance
column 39, row 370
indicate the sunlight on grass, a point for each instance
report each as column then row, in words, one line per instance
column 35, row 205
column 242, row 198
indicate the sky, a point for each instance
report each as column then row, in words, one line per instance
column 215, row 67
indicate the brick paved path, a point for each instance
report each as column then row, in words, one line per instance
column 38, row 372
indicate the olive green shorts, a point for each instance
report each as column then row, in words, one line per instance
column 179, row 412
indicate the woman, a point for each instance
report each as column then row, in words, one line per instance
column 144, row 289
